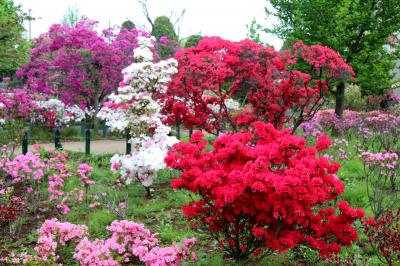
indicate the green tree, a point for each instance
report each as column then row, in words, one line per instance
column 163, row 26
column 253, row 32
column 193, row 40
column 71, row 16
column 14, row 48
column 127, row 24
column 357, row 29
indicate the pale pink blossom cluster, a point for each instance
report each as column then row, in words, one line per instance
column 56, row 182
column 129, row 243
column 97, row 252
column 30, row 168
column 383, row 159
column 84, row 171
column 340, row 149
column 53, row 233
column 25, row 167
column 385, row 123
column 16, row 259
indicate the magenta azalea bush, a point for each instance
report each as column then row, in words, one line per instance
column 77, row 64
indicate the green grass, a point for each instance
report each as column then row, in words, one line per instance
column 162, row 213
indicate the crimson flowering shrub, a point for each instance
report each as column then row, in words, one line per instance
column 264, row 189
column 384, row 236
column 264, row 80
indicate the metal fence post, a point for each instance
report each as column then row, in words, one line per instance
column 105, row 131
column 57, row 135
column 82, row 129
column 87, row 141
column 128, row 144
column 25, row 142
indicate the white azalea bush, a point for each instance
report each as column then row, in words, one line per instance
column 134, row 110
column 66, row 114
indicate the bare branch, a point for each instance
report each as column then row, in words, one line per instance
column 178, row 22
column 145, row 11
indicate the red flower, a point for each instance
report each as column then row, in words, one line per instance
column 260, row 188
column 323, row 143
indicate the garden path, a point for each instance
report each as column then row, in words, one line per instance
column 96, row 146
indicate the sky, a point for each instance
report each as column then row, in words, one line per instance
column 225, row 18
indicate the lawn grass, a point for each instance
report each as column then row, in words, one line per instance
column 162, row 213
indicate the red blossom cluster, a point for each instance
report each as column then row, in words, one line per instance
column 264, row 189
column 384, row 235
column 11, row 210
column 268, row 83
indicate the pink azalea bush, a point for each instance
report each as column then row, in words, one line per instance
column 129, row 243
column 30, row 170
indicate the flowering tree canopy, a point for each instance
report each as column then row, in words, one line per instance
column 78, row 65
column 264, row 80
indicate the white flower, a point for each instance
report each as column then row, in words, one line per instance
column 135, row 109
column 231, row 104
column 143, row 54
column 66, row 114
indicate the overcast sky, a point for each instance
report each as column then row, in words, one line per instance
column 225, row 18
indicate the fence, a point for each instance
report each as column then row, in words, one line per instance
column 87, row 134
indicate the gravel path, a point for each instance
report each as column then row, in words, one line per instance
column 96, row 146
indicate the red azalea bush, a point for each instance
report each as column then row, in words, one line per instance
column 384, row 236
column 264, row 188
column 268, row 83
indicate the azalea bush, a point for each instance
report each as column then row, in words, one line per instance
column 22, row 179
column 56, row 110
column 129, row 242
column 78, row 65
column 264, row 190
column 136, row 112
column 20, row 109
column 381, row 174
column 371, row 138
column 384, row 236
column 272, row 86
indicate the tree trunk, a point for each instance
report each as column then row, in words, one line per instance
column 339, row 107
column 95, row 119
column 178, row 130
